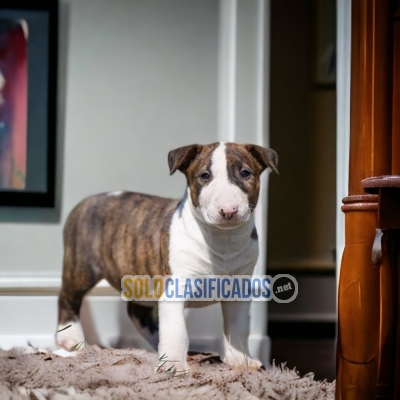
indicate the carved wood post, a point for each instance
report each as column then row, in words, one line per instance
column 357, row 361
column 396, row 94
column 370, row 155
column 388, row 189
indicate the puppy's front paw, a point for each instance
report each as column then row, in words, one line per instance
column 172, row 366
column 242, row 361
column 70, row 336
column 254, row 364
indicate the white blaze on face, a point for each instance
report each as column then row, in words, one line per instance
column 221, row 194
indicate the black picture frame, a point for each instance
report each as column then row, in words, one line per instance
column 324, row 68
column 42, row 20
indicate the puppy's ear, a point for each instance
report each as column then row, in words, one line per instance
column 265, row 156
column 182, row 157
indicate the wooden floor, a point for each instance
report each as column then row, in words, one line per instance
column 307, row 355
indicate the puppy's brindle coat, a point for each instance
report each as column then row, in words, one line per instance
column 210, row 230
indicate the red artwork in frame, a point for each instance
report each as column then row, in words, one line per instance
column 28, row 82
column 13, row 102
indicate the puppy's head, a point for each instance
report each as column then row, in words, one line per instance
column 223, row 179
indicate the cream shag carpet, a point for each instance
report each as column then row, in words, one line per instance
column 128, row 374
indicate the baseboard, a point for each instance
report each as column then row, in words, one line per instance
column 36, row 341
column 105, row 322
column 43, row 285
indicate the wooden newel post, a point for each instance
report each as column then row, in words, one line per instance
column 388, row 262
column 359, row 368
column 357, row 348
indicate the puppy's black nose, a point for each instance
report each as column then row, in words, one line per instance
column 228, row 211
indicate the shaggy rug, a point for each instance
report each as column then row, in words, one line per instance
column 129, row 374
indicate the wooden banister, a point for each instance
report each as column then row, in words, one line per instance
column 371, row 92
column 361, row 372
column 388, row 263
column 396, row 94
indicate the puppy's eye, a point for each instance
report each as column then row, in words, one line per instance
column 244, row 173
column 206, row 176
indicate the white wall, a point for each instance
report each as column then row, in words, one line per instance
column 137, row 79
column 141, row 78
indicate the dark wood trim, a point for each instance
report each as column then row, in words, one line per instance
column 301, row 330
column 396, row 95
column 359, row 308
column 371, row 92
column 317, row 272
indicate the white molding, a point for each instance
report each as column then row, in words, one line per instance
column 43, row 285
column 203, row 344
column 259, row 310
column 263, row 72
column 244, row 78
column 41, row 281
column 227, row 71
column 343, row 52
column 34, row 321
column 37, row 341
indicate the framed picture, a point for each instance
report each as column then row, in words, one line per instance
column 325, row 43
column 28, row 86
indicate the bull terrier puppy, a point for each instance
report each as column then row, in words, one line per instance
column 210, row 231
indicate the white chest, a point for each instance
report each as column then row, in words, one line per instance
column 196, row 249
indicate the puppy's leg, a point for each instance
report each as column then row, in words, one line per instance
column 77, row 281
column 145, row 319
column 174, row 342
column 236, row 333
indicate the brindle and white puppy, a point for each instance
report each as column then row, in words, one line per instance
column 210, row 230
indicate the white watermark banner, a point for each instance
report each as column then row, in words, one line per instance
column 282, row 288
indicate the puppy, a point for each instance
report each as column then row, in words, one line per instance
column 210, row 231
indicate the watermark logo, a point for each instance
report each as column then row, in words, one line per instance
column 285, row 288
column 281, row 288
